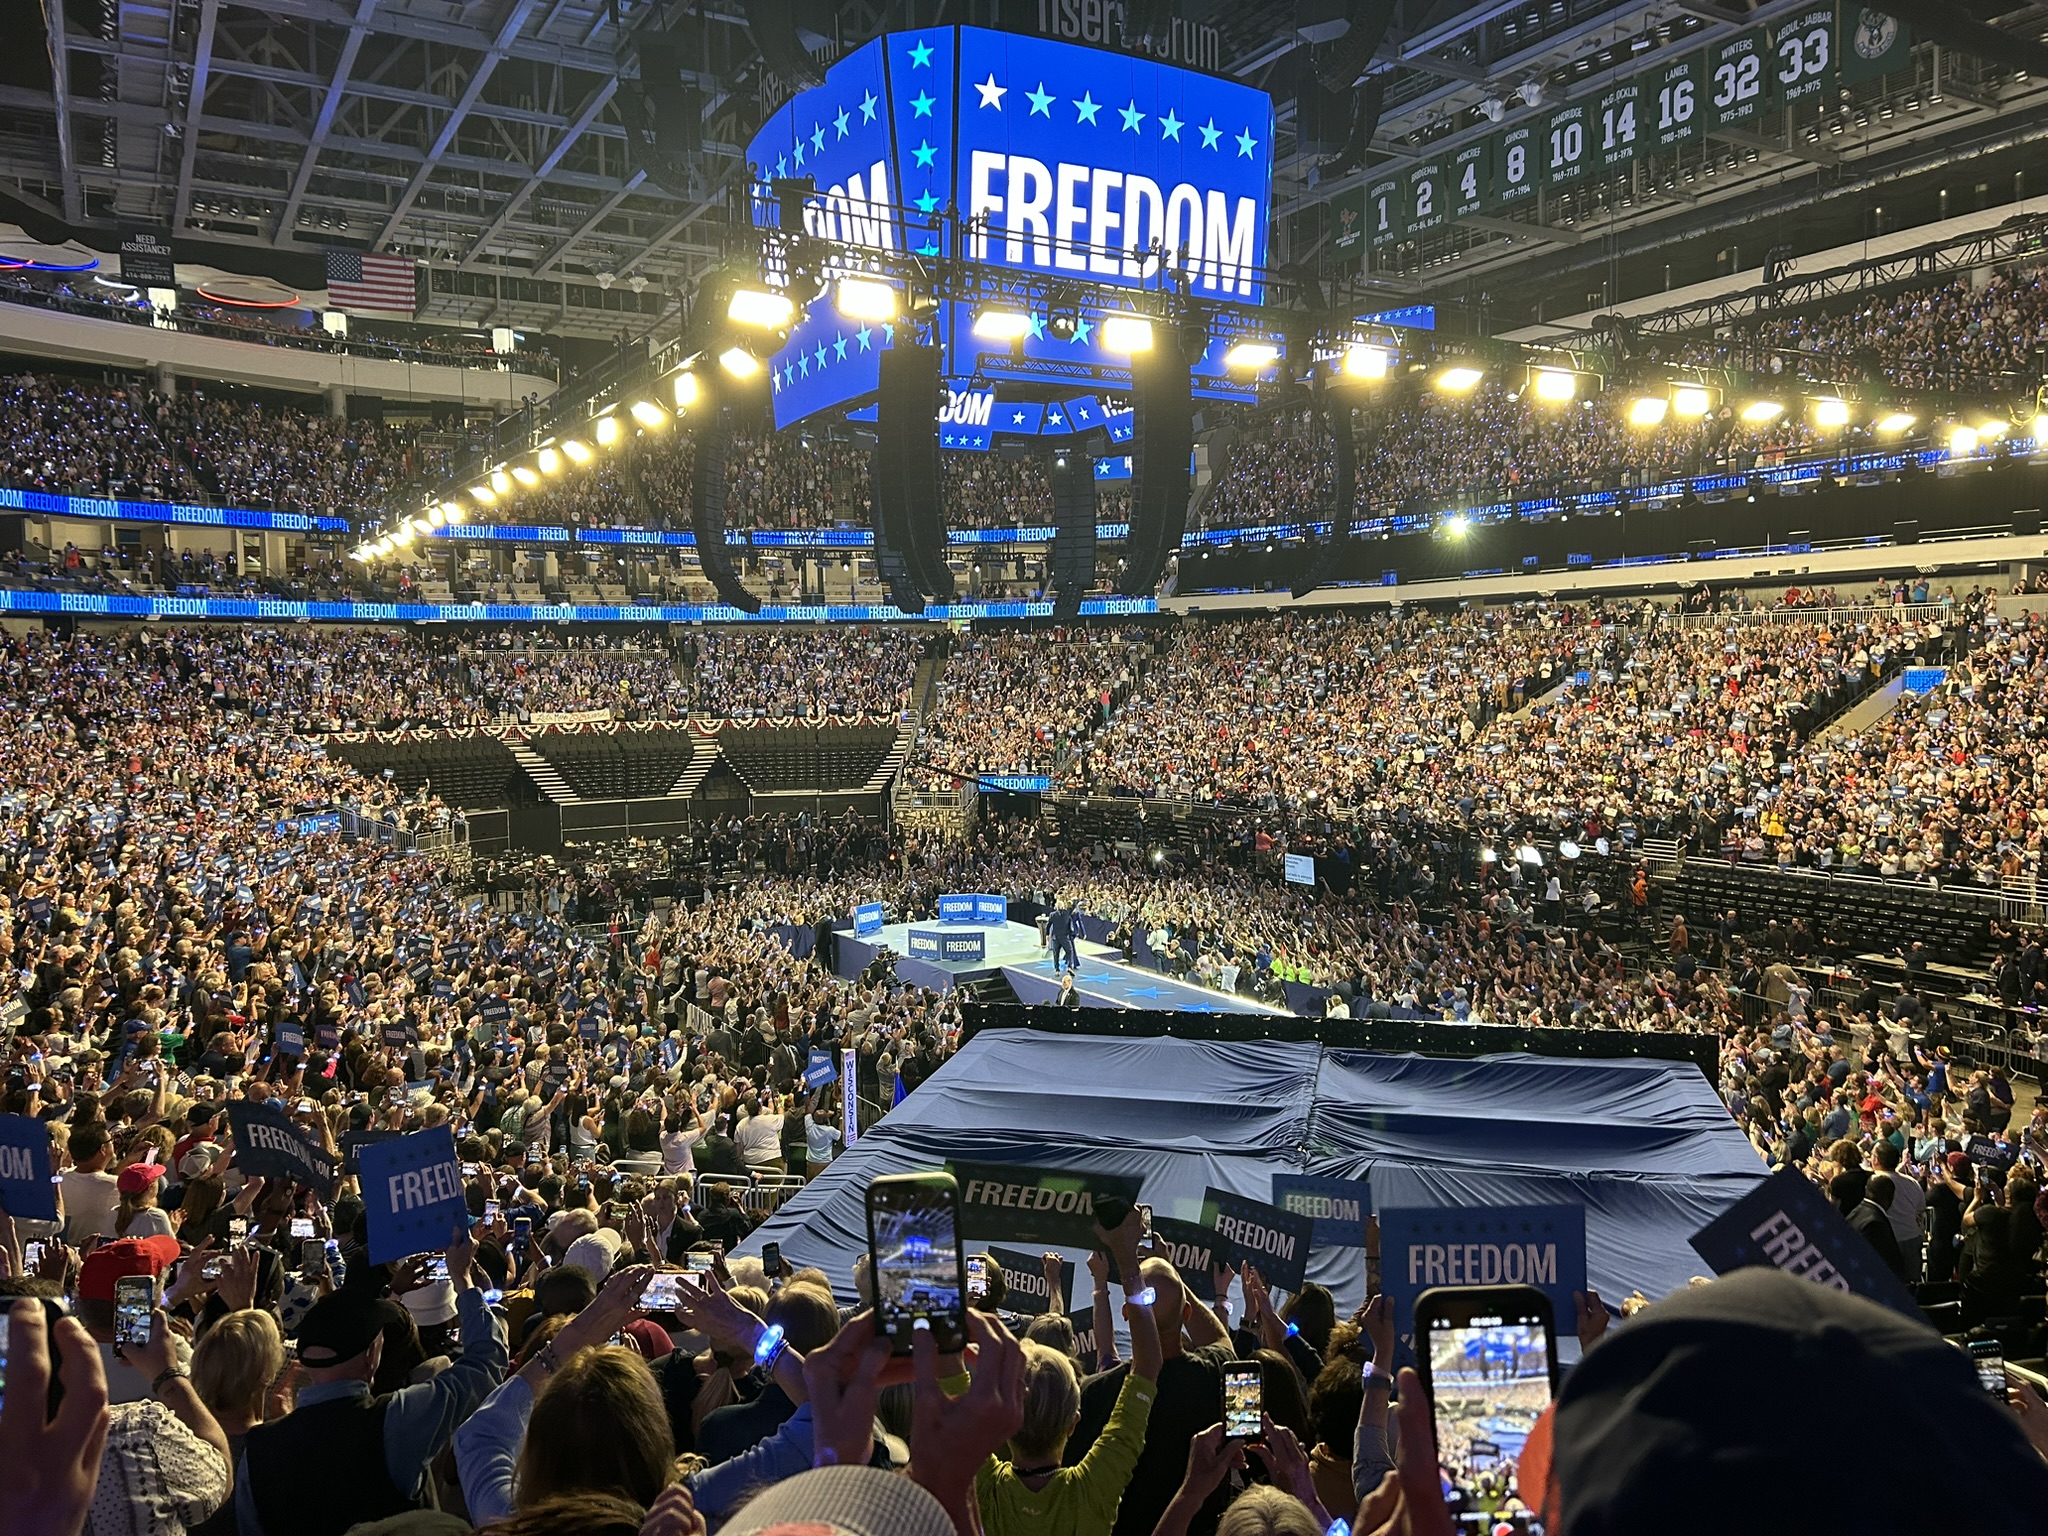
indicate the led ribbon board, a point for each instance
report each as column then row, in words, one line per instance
column 1067, row 162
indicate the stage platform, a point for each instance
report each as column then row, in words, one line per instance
column 1002, row 944
column 1107, row 983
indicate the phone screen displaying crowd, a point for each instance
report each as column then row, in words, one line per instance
column 914, row 1249
column 1490, row 1378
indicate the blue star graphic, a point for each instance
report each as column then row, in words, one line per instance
column 781, row 165
column 926, row 201
column 920, row 55
column 1038, row 327
column 841, row 121
column 1081, row 330
column 921, row 105
column 889, row 334
column 1246, row 144
column 817, row 138
column 929, row 248
column 1131, row 116
column 1086, row 108
column 839, row 350
column 803, row 362
column 1170, row 126
column 867, row 107
column 1210, row 134
column 862, row 336
column 1041, row 101
column 799, row 154
column 923, row 154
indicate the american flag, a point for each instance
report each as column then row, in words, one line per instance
column 361, row 280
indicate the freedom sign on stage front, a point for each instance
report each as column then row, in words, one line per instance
column 1539, row 1245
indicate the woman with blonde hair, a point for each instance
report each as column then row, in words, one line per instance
column 236, row 1365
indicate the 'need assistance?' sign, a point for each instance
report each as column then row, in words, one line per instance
column 1009, row 1202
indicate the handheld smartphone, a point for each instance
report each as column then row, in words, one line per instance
column 914, row 1255
column 238, row 1227
column 302, row 1226
column 134, row 1301
column 1489, row 1364
column 522, row 1233
column 31, row 1257
column 1110, row 1211
column 663, row 1292
column 1988, row 1356
column 213, row 1266
column 771, row 1259
column 492, row 1211
column 977, row 1277
column 312, row 1255
column 698, row 1261
column 437, row 1268
column 1244, row 1402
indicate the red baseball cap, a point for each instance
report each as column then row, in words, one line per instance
column 124, row 1256
column 137, row 1177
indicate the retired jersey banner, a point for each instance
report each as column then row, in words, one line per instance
column 1272, row 1241
column 1871, row 42
column 1541, row 1245
column 1019, row 1204
column 1024, row 1289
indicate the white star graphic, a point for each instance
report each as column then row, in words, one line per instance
column 1210, row 134
column 991, row 93
column 1131, row 116
column 1170, row 126
column 1086, row 108
column 840, row 122
column 1040, row 99
column 867, row 107
column 1055, row 418
column 1246, row 144
column 1016, row 418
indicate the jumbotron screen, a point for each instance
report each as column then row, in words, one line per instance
column 1068, row 161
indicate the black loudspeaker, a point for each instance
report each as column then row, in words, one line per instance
column 1163, row 439
column 1343, row 497
column 1341, row 61
column 2026, row 523
column 664, row 117
column 1322, row 117
column 1073, row 531
column 707, row 512
column 908, row 508
column 1906, row 531
column 1366, row 103
column 773, row 26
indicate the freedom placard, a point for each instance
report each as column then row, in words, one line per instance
column 268, row 1144
column 1084, row 1333
column 291, row 1038
column 1787, row 1223
column 1987, row 1153
column 819, row 1069
column 1024, row 1288
column 1337, row 1207
column 1272, row 1241
column 412, row 1195
column 867, row 918
column 353, row 1142
column 25, row 1169
column 1539, row 1245
column 1051, row 1206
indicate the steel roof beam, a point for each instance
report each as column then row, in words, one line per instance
column 60, row 94
column 592, row 107
column 195, row 106
column 324, row 122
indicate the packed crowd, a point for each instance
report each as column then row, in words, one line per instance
column 1013, row 705
column 124, row 440
column 775, row 671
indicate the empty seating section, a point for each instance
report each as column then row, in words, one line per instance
column 771, row 759
column 1861, row 914
column 469, row 771
column 631, row 765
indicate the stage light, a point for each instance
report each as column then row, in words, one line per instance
column 687, row 390
column 402, row 536
column 2040, row 430
column 1002, row 324
column 434, row 517
column 607, row 431
column 1556, row 386
column 501, row 482
column 1897, row 421
column 1648, row 411
column 1364, row 362
column 1126, row 334
column 1062, row 319
column 1252, row 354
column 420, row 525
column 648, row 414
column 760, row 307
column 862, row 298
column 1962, row 441
column 455, row 511
column 577, row 451
column 1758, row 412
column 1456, row 526
column 1992, row 431
column 1691, row 402
column 550, row 461
column 525, row 476
column 1456, row 381
column 483, row 494
column 1830, row 412
column 739, row 362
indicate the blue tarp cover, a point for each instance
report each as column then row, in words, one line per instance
column 1645, row 1146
